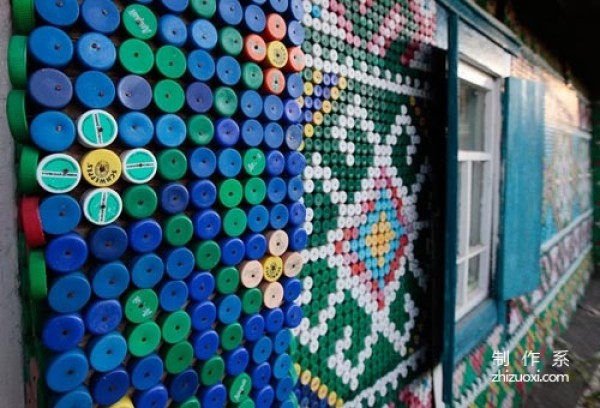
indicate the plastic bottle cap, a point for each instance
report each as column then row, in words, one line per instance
column 16, row 115
column 17, row 61
column 171, row 61
column 251, row 273
column 139, row 21
column 169, row 96
column 277, row 242
column 200, row 129
column 272, row 268
column 204, row 8
column 140, row 201
column 101, row 167
column 58, row 173
column 101, row 206
column 139, row 165
column 272, row 294
column 141, row 305
column 136, row 56
column 277, row 54
column 96, row 128
column 143, row 339
column 292, row 264
column 255, row 48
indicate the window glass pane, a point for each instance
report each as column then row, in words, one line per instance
column 471, row 124
column 477, row 199
column 460, row 274
column 474, row 275
column 462, row 207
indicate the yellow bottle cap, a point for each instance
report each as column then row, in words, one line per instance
column 101, row 167
column 277, row 54
column 272, row 268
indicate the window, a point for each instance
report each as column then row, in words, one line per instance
column 479, row 105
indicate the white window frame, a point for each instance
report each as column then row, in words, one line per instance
column 490, row 198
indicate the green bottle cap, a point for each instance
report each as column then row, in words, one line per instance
column 204, row 8
column 252, row 300
column 38, row 281
column 254, row 162
column 17, row 61
column 231, row 336
column 200, row 129
column 23, row 16
column 178, row 230
column 141, row 305
column 140, row 201
column 136, row 56
column 139, row 21
column 226, row 101
column 58, row 173
column 171, row 61
column 248, row 403
column 178, row 357
column 169, row 96
column 228, row 280
column 143, row 339
column 230, row 193
column 252, row 75
column 175, row 326
column 26, row 176
column 17, row 118
column 255, row 190
column 234, row 222
column 231, row 41
column 211, row 371
column 208, row 255
column 172, row 164
column 191, row 402
column 239, row 388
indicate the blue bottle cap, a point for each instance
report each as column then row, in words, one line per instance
column 273, row 107
column 144, row 235
column 273, row 136
column 227, row 132
column 261, row 350
column 135, row 129
column 264, row 397
column 236, row 361
column 146, row 270
column 66, row 371
column 179, row 262
column 59, row 214
column 282, row 341
column 260, row 374
column 229, row 70
column 292, row 112
column 292, row 287
column 202, row 162
column 280, row 6
column 274, row 319
column 50, row 46
column 170, row 130
column 199, row 97
column 201, row 65
column 145, row 372
column 295, row 162
column 110, row 280
column 295, row 32
column 230, row 11
column 308, row 116
column 183, row 385
column 172, row 30
column 79, row 397
column 203, row 193
column 296, row 9
column 103, row 316
column 95, row 90
column 254, row 326
column 232, row 251
column 50, row 88
column 96, row 51
column 254, row 18
column 134, row 92
column 278, row 216
column 252, row 132
column 157, row 396
column 172, row 295
column 203, row 314
column 59, row 13
column 229, row 162
column 293, row 137
column 108, row 388
column 52, row 131
column 207, row 224
column 275, row 162
column 295, row 86
column 214, row 396
column 281, row 364
column 258, row 218
column 251, row 104
column 201, row 285
column 318, row 93
column 293, row 314
column 276, row 190
column 66, row 253
column 108, row 243
column 106, row 352
column 173, row 198
column 284, row 388
column 298, row 238
column 62, row 332
column 295, row 188
column 202, row 34
column 101, row 15
column 205, row 344
column 229, row 308
column 175, row 6
column 69, row 293
column 256, row 246
column 297, row 212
